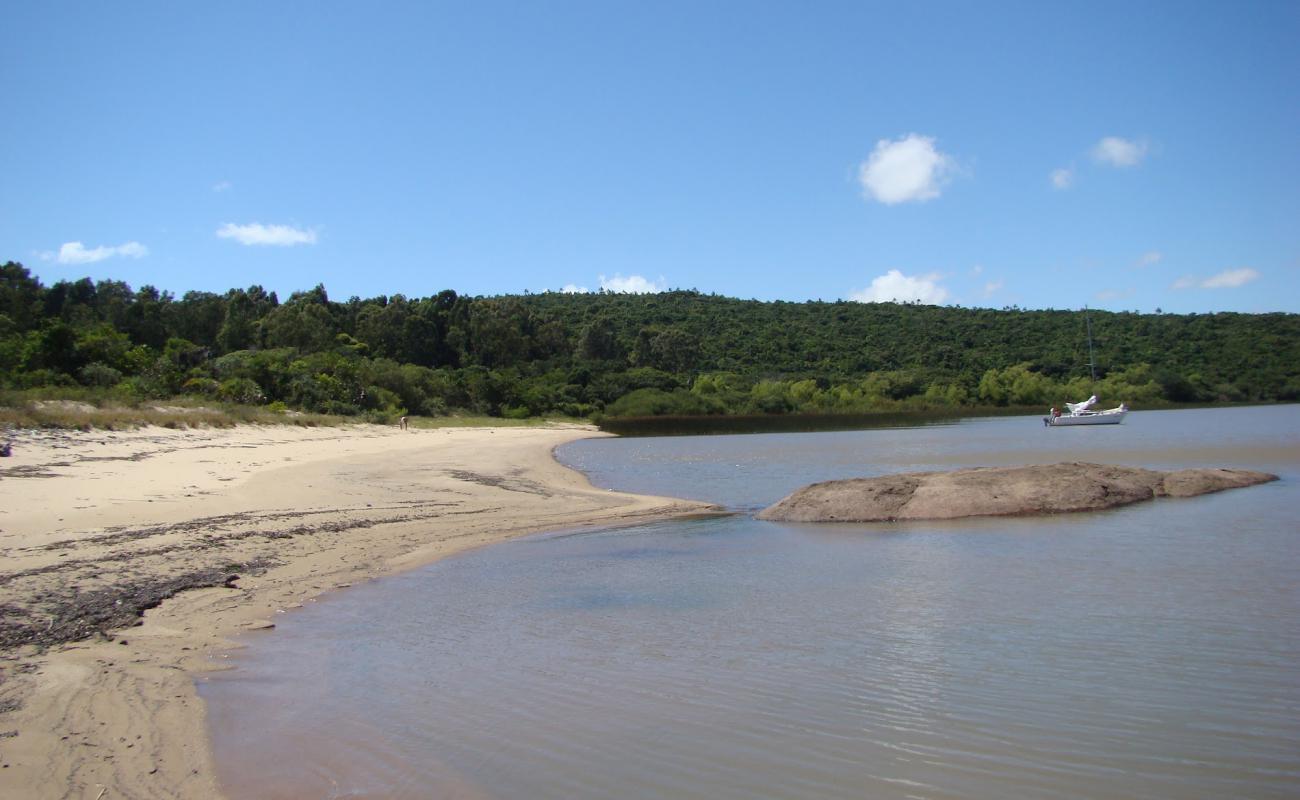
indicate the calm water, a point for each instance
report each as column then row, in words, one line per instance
column 1146, row 652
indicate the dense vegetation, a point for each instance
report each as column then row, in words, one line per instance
column 678, row 352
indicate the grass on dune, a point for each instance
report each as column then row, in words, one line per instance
column 479, row 421
column 87, row 410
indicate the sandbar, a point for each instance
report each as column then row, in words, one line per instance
column 130, row 559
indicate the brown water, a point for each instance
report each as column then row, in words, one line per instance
column 1146, row 652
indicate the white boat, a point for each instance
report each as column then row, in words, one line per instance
column 1083, row 414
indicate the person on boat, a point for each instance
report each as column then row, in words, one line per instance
column 1056, row 412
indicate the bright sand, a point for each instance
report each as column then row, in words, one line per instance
column 89, row 517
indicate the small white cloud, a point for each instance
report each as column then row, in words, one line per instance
column 632, row 284
column 572, row 288
column 1119, row 152
column 222, row 186
column 76, row 253
column 1150, row 257
column 1062, row 178
column 1113, row 294
column 907, row 170
column 993, row 287
column 977, row 270
column 894, row 286
column 1228, row 279
column 258, row 234
column 132, row 250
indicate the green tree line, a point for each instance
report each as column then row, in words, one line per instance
column 678, row 352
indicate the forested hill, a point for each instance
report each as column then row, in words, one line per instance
column 674, row 352
column 688, row 331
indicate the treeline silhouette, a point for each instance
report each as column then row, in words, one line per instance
column 677, row 352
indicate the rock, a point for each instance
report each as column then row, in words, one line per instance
column 1191, row 482
column 998, row 491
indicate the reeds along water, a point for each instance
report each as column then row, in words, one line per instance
column 1142, row 652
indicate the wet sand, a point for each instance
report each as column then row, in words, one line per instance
column 208, row 533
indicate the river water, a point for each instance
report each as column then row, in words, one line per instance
column 1145, row 652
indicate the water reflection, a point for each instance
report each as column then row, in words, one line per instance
column 752, row 471
column 1145, row 652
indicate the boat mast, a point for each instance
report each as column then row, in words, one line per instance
column 1092, row 363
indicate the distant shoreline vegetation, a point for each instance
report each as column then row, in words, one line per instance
column 605, row 356
column 696, row 425
column 781, row 423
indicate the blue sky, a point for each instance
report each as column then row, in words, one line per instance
column 1126, row 156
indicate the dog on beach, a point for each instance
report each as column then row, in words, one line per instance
column 401, row 423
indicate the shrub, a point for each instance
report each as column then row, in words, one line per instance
column 203, row 386
column 657, row 402
column 99, row 374
column 241, row 390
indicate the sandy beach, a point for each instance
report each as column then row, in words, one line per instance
column 209, row 533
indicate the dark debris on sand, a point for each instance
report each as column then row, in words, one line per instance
column 69, row 615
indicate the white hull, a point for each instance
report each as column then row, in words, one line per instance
column 1088, row 418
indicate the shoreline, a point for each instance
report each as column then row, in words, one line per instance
column 214, row 532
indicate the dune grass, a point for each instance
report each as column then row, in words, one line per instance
column 480, row 421
column 18, row 411
column 87, row 410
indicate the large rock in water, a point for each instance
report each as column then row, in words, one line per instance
column 998, row 491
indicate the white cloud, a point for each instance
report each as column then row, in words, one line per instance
column 632, row 284
column 76, row 253
column 894, row 286
column 1150, row 257
column 1228, row 279
column 222, row 186
column 993, row 287
column 907, row 170
column 1119, row 152
column 1062, row 178
column 1106, row 295
column 258, row 234
column 573, row 288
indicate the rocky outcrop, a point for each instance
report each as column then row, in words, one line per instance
column 999, row 491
